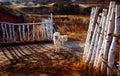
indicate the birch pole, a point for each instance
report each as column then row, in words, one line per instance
column 100, row 41
column 13, row 31
column 93, row 40
column 107, row 41
column 51, row 26
column 99, row 60
column 96, row 40
column 3, row 31
column 119, row 65
column 28, row 31
column 6, row 30
column 10, row 32
column 23, row 31
column 33, row 32
column 88, row 34
column 114, row 41
column 94, row 13
column 20, row 33
column 38, row 33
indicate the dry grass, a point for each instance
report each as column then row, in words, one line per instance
column 76, row 29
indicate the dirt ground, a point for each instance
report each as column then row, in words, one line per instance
column 34, row 52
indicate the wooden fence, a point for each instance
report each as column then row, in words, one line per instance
column 26, row 32
column 101, row 41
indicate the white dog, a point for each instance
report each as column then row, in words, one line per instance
column 59, row 40
column 56, row 40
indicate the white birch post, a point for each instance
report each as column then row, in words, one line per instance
column 91, row 15
column 119, row 65
column 28, row 31
column 23, row 31
column 38, row 33
column 10, row 32
column 47, row 28
column 96, row 40
column 100, row 41
column 107, row 40
column 20, row 33
column 6, row 30
column 51, row 24
column 33, row 32
column 43, row 29
column 98, row 63
column 114, row 41
column 94, row 13
column 93, row 40
column 13, row 31
column 88, row 36
column 3, row 31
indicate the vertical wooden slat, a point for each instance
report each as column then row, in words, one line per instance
column 20, row 35
column 23, row 31
column 114, row 41
column 28, row 31
column 13, row 31
column 96, row 40
column 38, row 33
column 6, row 30
column 100, row 41
column 43, row 31
column 90, row 31
column 10, row 30
column 108, row 40
column 33, row 32
column 119, row 65
column 104, row 37
column 93, row 40
column 3, row 31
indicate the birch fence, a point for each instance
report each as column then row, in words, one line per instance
column 101, row 41
column 26, row 32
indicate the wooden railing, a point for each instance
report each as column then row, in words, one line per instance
column 25, row 32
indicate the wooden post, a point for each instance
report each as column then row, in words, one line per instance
column 33, row 32
column 38, row 33
column 107, row 41
column 119, row 65
column 3, row 31
column 93, row 39
column 13, row 31
column 51, row 24
column 23, row 31
column 20, row 35
column 98, row 64
column 114, row 41
column 10, row 30
column 100, row 41
column 28, row 31
column 43, row 30
column 87, row 43
column 96, row 40
column 6, row 30
column 94, row 13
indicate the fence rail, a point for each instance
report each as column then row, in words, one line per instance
column 25, row 32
